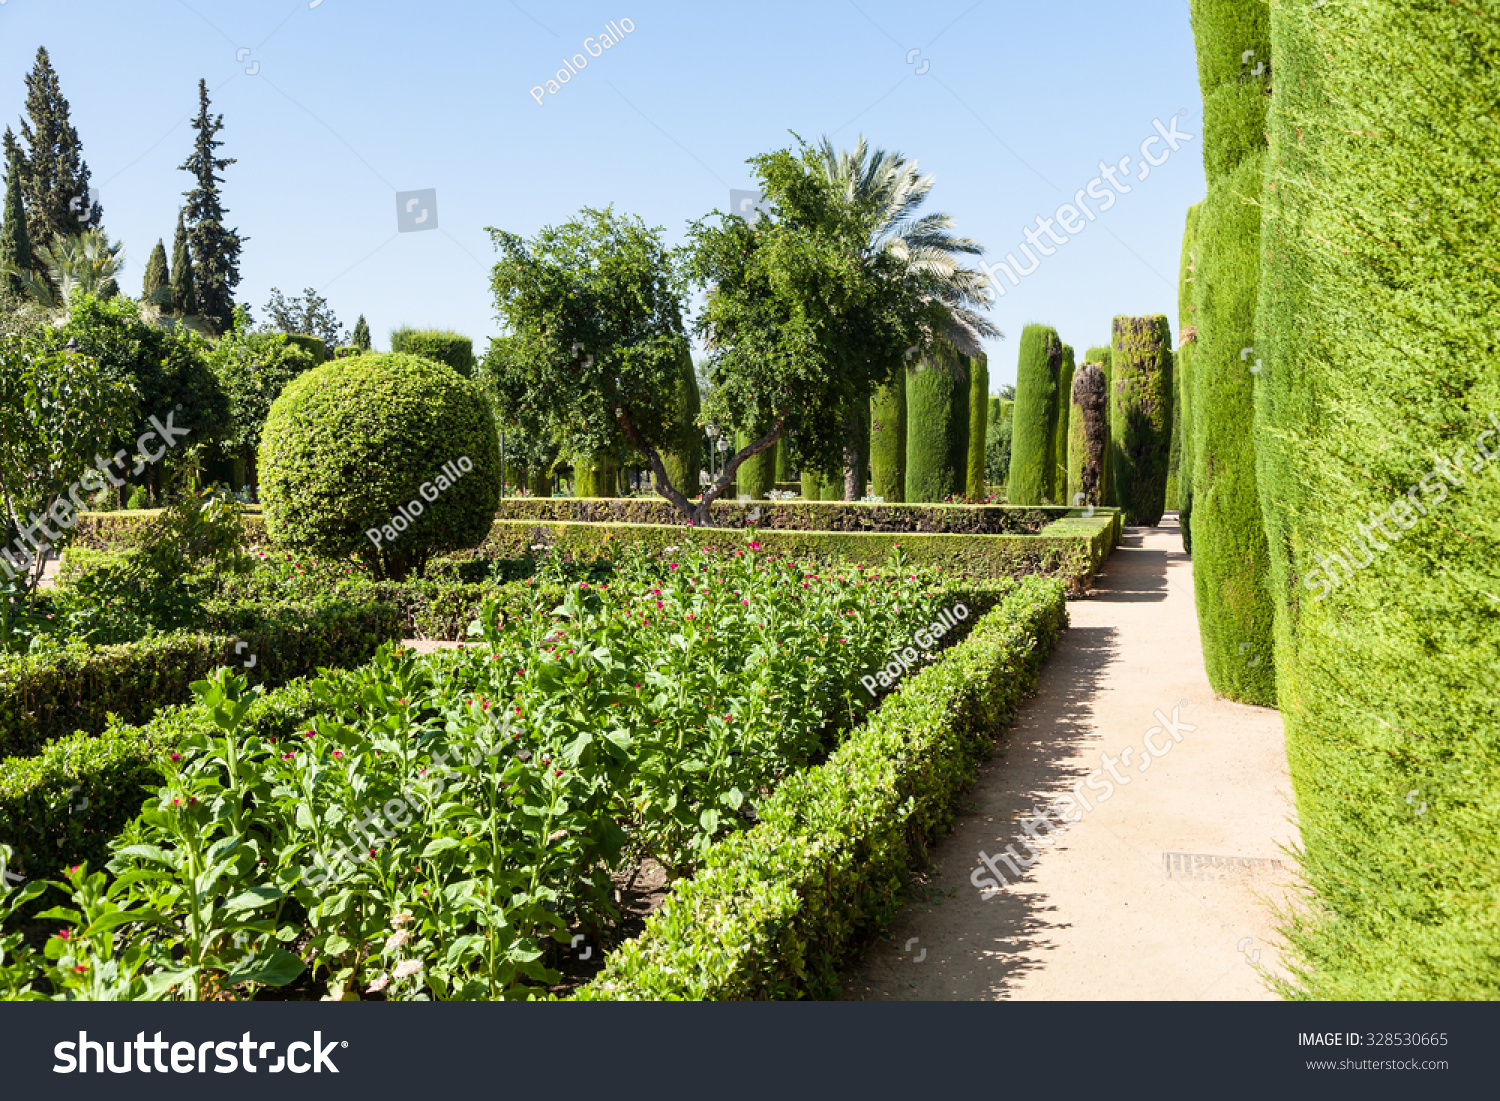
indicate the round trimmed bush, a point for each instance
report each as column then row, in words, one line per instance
column 438, row 345
column 358, row 457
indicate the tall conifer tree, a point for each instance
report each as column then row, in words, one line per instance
column 54, row 177
column 184, row 296
column 15, row 242
column 216, row 250
column 157, row 275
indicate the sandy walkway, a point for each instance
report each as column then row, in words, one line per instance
column 1124, row 905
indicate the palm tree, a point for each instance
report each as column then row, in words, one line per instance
column 893, row 190
column 80, row 263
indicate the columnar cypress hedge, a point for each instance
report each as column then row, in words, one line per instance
column 1065, row 372
column 1377, row 409
column 936, row 390
column 1186, row 351
column 596, row 475
column 1035, row 417
column 756, row 476
column 1088, row 435
column 783, row 456
column 684, row 461
column 1104, row 356
column 1231, row 561
column 979, row 409
column 856, row 473
column 1140, row 415
column 888, row 441
column 1174, row 458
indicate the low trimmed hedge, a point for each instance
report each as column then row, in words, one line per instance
column 122, row 529
column 1072, row 549
column 779, row 910
column 53, row 694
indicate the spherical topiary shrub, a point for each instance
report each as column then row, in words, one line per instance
column 391, row 457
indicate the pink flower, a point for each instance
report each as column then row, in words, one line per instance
column 175, row 756
column 338, row 754
column 407, row 968
column 397, row 939
column 378, row 985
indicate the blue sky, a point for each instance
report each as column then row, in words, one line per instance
column 1011, row 105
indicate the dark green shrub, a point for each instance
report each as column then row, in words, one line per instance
column 1065, row 372
column 1104, row 356
column 1140, row 416
column 997, row 442
column 979, row 416
column 312, row 345
column 756, row 476
column 596, row 475
column 1187, row 349
column 937, row 392
column 888, row 441
column 684, row 462
column 1035, row 418
column 1088, row 436
column 349, row 447
column 441, row 346
column 1376, row 411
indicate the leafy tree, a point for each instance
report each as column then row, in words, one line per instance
column 997, row 449
column 594, row 309
column 15, row 241
column 309, row 314
column 361, row 337
column 804, row 320
column 184, row 295
column 56, row 408
column 157, row 287
column 54, row 177
column 252, row 369
column 82, row 264
column 216, row 249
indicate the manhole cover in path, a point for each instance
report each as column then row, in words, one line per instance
column 1205, row 866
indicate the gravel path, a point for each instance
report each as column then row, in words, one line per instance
column 1162, row 891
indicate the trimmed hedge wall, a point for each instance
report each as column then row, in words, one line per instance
column 979, row 409
column 1140, row 416
column 936, row 390
column 1060, row 432
column 1073, row 548
column 1088, row 435
column 1034, row 419
column 888, row 442
column 1231, row 561
column 50, row 695
column 1379, row 294
column 756, row 476
column 779, row 910
column 438, row 345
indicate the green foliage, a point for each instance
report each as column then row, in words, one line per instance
column 216, row 248
column 1233, row 39
column 15, row 241
column 1035, row 418
column 997, row 441
column 1187, row 351
column 888, row 430
column 54, row 177
column 1060, row 436
column 184, row 290
column 1104, row 356
column 454, row 349
column 1378, row 400
column 74, row 266
column 157, row 285
column 684, row 461
column 1140, row 415
column 779, row 911
column 348, row 444
column 308, row 316
column 56, row 407
column 937, row 404
column 757, row 474
column 252, row 370
column 312, row 345
column 979, row 410
column 360, row 340
column 596, row 475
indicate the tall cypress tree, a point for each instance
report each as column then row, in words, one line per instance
column 15, row 242
column 216, row 250
column 184, row 297
column 888, row 441
column 1032, row 448
column 157, row 275
column 54, row 177
column 1065, row 372
column 361, row 337
column 979, row 416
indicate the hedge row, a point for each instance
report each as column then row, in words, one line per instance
column 1072, row 549
column 50, row 695
column 779, row 910
column 1379, row 294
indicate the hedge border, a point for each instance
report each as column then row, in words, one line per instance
column 777, row 911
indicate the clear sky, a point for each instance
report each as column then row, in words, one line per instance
column 1012, row 106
